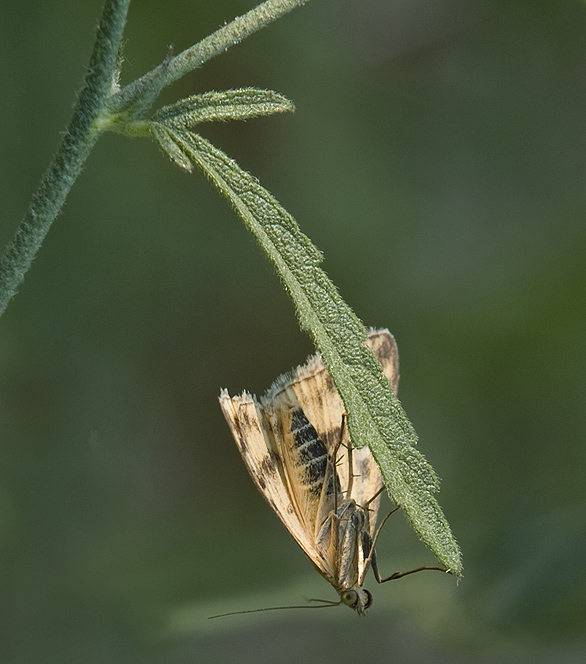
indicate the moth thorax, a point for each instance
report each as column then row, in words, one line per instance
column 358, row 599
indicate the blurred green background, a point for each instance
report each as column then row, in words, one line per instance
column 438, row 158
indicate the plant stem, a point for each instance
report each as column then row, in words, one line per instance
column 67, row 163
column 215, row 44
column 86, row 123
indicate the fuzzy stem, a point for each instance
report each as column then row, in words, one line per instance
column 67, row 163
column 215, row 44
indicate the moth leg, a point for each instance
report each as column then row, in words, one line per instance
column 376, row 495
column 398, row 575
column 330, row 499
column 345, row 436
column 371, row 557
column 334, row 455
column 344, row 430
column 339, row 512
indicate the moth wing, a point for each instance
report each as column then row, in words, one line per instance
column 383, row 345
column 263, row 451
column 313, row 388
column 264, row 462
column 308, row 472
column 261, row 440
column 279, row 414
column 316, row 392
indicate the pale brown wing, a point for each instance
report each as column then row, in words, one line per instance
column 384, row 347
column 310, row 475
column 264, row 461
column 265, row 449
column 315, row 391
column 317, row 394
column 264, row 437
column 305, row 457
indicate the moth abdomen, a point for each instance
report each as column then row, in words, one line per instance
column 311, row 454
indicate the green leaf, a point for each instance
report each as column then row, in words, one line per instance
column 375, row 416
column 169, row 145
column 227, row 105
column 174, row 67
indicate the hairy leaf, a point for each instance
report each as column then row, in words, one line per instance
column 376, row 417
column 226, row 105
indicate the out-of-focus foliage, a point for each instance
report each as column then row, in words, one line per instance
column 442, row 146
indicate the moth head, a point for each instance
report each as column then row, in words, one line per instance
column 358, row 599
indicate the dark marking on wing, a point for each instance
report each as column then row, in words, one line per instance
column 269, row 464
column 333, row 437
column 245, row 418
column 242, row 445
column 311, row 453
column 328, row 382
column 312, row 456
column 261, row 482
column 384, row 352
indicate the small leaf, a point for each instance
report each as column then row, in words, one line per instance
column 169, row 146
column 375, row 415
column 220, row 106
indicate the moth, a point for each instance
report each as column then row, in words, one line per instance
column 296, row 447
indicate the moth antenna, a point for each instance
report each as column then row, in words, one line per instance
column 327, row 604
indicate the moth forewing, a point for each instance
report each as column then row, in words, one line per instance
column 383, row 345
column 260, row 454
column 315, row 391
column 311, row 478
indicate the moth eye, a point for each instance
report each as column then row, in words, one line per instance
column 349, row 598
